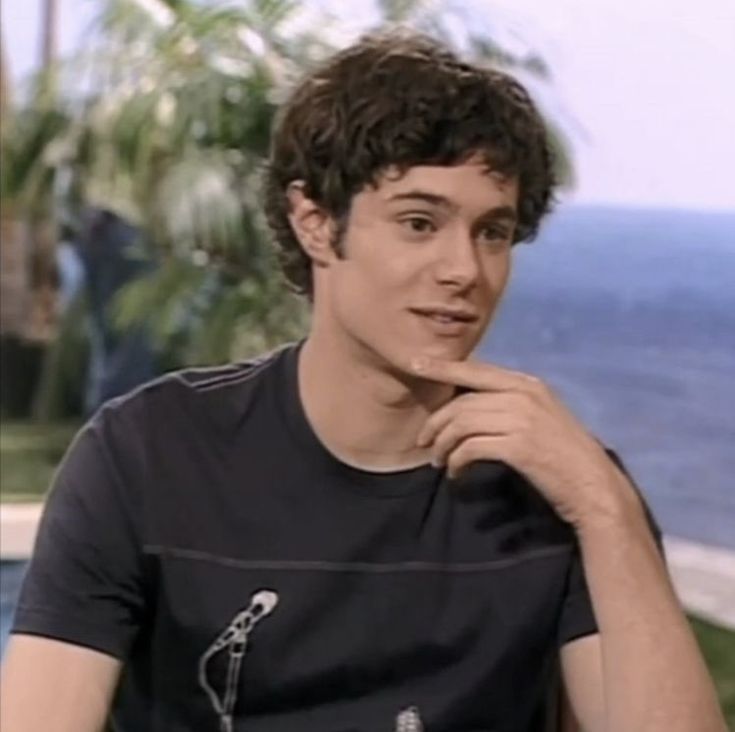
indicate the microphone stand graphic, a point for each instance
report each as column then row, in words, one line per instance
column 235, row 638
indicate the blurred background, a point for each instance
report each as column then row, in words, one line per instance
column 133, row 135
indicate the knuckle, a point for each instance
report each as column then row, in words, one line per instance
column 473, row 448
column 463, row 403
column 524, row 424
column 453, row 462
column 517, row 450
column 535, row 385
column 431, row 424
column 462, row 453
column 445, row 440
column 467, row 421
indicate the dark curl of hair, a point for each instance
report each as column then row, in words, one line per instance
column 399, row 99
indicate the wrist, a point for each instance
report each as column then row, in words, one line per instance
column 615, row 504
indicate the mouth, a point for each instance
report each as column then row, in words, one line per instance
column 446, row 322
column 446, row 315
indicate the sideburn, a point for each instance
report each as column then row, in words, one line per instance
column 338, row 240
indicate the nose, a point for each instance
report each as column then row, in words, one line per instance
column 457, row 265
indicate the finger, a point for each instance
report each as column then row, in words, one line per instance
column 477, row 401
column 472, row 424
column 439, row 419
column 470, row 374
column 485, row 447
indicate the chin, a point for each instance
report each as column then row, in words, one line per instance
column 393, row 352
column 397, row 357
column 453, row 349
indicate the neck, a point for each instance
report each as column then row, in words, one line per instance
column 364, row 413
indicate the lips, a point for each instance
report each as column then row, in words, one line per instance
column 444, row 322
column 446, row 315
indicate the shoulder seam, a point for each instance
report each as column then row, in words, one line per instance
column 255, row 367
column 229, row 379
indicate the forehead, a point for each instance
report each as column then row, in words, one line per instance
column 465, row 185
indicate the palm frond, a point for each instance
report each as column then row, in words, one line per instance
column 199, row 204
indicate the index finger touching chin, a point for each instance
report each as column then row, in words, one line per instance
column 470, row 374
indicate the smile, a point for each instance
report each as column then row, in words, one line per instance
column 445, row 322
column 446, row 315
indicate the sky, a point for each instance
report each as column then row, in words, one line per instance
column 645, row 88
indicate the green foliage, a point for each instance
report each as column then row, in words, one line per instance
column 60, row 392
column 28, row 150
column 29, row 455
column 718, row 648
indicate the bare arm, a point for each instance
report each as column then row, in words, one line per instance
column 652, row 673
column 583, row 695
column 55, row 687
column 654, row 678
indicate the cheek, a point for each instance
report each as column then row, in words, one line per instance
column 376, row 271
column 505, row 272
column 499, row 269
column 357, row 291
column 497, row 276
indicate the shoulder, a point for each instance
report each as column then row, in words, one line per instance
column 205, row 399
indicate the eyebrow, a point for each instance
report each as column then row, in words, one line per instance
column 499, row 212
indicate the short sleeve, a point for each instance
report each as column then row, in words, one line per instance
column 577, row 615
column 84, row 582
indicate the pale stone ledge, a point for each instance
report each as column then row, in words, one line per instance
column 704, row 578
column 18, row 525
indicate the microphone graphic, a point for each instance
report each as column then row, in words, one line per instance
column 409, row 720
column 235, row 638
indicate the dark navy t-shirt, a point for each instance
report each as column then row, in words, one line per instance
column 199, row 531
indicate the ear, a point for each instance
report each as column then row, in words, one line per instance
column 313, row 227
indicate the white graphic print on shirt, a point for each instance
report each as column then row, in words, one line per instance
column 234, row 638
column 409, row 721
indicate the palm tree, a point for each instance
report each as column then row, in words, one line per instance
column 50, row 33
column 27, row 287
column 172, row 137
column 12, row 270
column 42, row 321
column 173, row 141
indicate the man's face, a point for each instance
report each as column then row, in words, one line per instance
column 426, row 258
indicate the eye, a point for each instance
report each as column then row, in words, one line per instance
column 495, row 234
column 418, row 224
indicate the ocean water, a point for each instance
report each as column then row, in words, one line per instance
column 630, row 316
column 11, row 577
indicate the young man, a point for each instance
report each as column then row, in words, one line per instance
column 366, row 530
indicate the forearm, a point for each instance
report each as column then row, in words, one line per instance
column 655, row 678
column 51, row 686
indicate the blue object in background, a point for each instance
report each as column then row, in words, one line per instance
column 110, row 251
column 11, row 578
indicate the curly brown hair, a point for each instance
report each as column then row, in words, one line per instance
column 399, row 99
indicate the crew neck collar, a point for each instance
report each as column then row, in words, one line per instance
column 384, row 484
